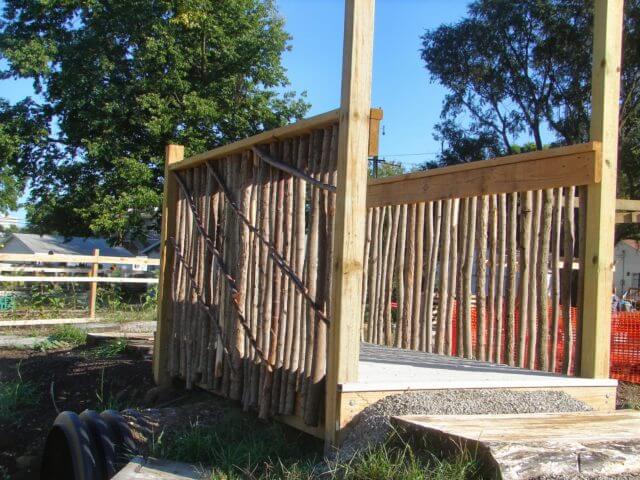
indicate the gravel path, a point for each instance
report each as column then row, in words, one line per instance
column 373, row 424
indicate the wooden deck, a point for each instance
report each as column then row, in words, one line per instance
column 534, row 445
column 387, row 371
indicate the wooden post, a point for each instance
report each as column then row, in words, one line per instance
column 173, row 154
column 374, row 131
column 600, row 223
column 93, row 289
column 351, row 196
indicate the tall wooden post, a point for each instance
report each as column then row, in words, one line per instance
column 601, row 198
column 350, row 218
column 173, row 154
column 93, row 289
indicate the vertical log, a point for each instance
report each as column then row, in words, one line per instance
column 524, row 257
column 468, row 273
column 373, row 273
column 385, row 252
column 533, row 285
column 427, row 275
column 453, row 276
column 388, row 327
column 493, row 266
column 444, row 275
column 512, row 290
column 418, row 275
column 409, row 278
column 481, row 292
column 567, row 277
column 433, row 269
column 462, row 246
column 402, row 241
column 502, row 234
column 543, row 280
column 365, row 274
column 555, row 277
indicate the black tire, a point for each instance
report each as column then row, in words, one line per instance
column 104, row 439
column 125, row 447
column 69, row 452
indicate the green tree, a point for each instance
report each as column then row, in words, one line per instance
column 116, row 80
column 516, row 69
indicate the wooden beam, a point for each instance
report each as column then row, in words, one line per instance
column 626, row 205
column 68, row 258
column 294, row 129
column 90, row 279
column 374, row 131
column 556, row 167
column 173, row 154
column 600, row 222
column 627, row 217
column 351, row 196
column 93, row 291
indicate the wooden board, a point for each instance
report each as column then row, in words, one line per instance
column 534, row 445
column 140, row 468
column 38, row 279
column 556, row 167
column 294, row 129
column 45, row 322
column 601, row 399
column 67, row 258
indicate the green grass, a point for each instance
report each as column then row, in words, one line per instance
column 242, row 448
column 69, row 335
column 110, row 349
column 17, row 395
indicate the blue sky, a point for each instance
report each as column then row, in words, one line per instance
column 401, row 85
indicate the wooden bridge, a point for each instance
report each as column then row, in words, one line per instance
column 279, row 257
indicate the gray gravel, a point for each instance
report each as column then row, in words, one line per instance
column 373, row 426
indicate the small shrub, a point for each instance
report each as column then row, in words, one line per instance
column 16, row 395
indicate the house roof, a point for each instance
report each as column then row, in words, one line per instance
column 73, row 245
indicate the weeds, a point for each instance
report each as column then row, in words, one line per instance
column 110, row 349
column 238, row 449
column 16, row 395
column 69, row 335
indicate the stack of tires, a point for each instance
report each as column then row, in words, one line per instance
column 89, row 446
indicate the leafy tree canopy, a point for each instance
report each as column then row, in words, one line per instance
column 116, row 80
column 514, row 69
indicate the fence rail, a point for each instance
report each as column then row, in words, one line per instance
column 89, row 275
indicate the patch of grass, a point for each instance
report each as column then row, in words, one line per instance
column 69, row 334
column 16, row 395
column 399, row 460
column 110, row 349
column 242, row 448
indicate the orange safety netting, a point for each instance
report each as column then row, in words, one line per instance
column 625, row 342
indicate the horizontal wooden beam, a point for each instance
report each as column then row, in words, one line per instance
column 626, row 205
column 68, row 258
column 297, row 128
column 627, row 217
column 36, row 279
column 552, row 168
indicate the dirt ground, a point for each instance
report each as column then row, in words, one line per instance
column 77, row 380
